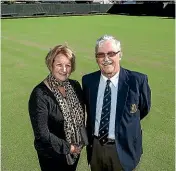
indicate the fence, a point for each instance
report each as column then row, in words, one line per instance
column 49, row 9
column 54, row 9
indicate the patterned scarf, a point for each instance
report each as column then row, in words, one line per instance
column 72, row 111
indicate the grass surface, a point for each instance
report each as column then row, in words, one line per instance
column 148, row 47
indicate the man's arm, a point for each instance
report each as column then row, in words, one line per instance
column 88, row 120
column 145, row 98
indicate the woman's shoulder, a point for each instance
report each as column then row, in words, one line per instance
column 74, row 83
column 40, row 90
column 39, row 87
column 76, row 86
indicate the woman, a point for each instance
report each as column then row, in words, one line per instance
column 57, row 114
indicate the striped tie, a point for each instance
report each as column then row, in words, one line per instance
column 105, row 115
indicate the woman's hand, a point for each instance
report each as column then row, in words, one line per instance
column 75, row 149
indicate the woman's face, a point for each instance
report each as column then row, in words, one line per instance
column 61, row 68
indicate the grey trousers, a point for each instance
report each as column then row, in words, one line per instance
column 104, row 158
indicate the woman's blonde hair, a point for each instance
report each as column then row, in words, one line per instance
column 60, row 50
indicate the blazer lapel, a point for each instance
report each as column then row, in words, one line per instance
column 122, row 94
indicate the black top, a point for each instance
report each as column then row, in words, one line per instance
column 48, row 121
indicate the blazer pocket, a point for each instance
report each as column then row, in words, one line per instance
column 133, row 108
column 133, row 96
column 132, row 102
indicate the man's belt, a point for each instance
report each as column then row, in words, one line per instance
column 108, row 142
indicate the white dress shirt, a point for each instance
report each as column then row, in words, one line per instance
column 114, row 90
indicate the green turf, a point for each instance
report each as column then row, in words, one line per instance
column 148, row 47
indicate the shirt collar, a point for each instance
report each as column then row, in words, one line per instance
column 113, row 79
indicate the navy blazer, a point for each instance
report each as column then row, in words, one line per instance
column 133, row 104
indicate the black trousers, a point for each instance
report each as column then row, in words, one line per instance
column 55, row 163
column 104, row 158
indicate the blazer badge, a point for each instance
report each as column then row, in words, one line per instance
column 133, row 108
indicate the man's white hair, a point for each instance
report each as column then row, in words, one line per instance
column 105, row 38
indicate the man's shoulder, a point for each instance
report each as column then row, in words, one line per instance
column 135, row 74
column 91, row 75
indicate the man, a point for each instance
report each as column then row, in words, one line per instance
column 116, row 100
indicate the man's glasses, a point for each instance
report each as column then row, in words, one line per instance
column 103, row 55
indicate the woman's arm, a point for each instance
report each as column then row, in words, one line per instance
column 38, row 111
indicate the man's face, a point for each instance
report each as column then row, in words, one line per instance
column 108, row 58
